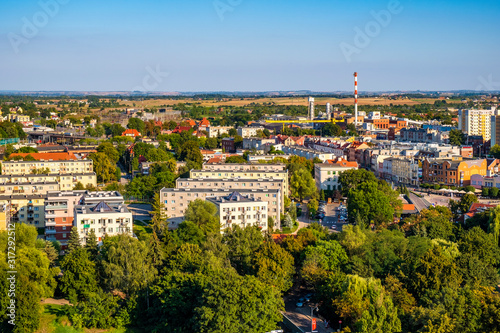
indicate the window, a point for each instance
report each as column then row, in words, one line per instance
column 173, row 201
column 36, row 208
column 64, row 228
column 36, row 215
column 64, row 235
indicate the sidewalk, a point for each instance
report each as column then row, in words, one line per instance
column 303, row 321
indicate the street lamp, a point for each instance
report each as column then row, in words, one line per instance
column 313, row 321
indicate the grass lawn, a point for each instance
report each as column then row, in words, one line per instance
column 142, row 230
column 54, row 319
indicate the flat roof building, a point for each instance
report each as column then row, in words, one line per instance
column 236, row 209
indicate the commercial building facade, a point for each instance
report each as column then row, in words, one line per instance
column 454, row 172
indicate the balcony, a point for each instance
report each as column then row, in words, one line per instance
column 50, row 231
column 50, row 222
column 56, row 207
column 49, row 214
column 50, row 238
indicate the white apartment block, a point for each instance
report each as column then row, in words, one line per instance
column 327, row 176
column 267, row 158
column 215, row 131
column 244, row 167
column 236, row 209
column 55, row 167
column 243, row 174
column 176, row 201
column 106, row 219
column 234, row 184
column 308, row 153
column 477, row 122
column 248, row 132
column 41, row 184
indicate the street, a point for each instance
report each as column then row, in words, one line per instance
column 140, row 212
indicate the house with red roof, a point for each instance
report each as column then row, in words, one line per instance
column 203, row 124
column 131, row 133
column 476, row 208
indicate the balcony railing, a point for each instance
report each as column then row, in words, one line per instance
column 56, row 207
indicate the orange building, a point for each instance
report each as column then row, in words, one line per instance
column 454, row 172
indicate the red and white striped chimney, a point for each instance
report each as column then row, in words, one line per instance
column 356, row 98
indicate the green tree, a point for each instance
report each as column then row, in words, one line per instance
column 79, row 187
column 126, row 264
column 211, row 143
column 372, row 200
column 91, row 245
column 366, row 306
column 457, row 138
column 27, row 150
column 190, row 152
column 351, row 179
column 274, row 266
column 313, row 205
column 302, row 184
column 51, row 252
column 137, row 124
column 108, row 149
column 235, row 159
column 495, row 151
column 323, row 257
column 74, row 240
column 204, row 215
column 34, row 279
column 79, row 275
column 206, row 296
column 103, row 167
column 433, row 273
column 243, row 244
column 466, row 202
column 331, row 129
column 494, row 224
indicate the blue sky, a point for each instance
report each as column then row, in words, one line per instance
column 254, row 45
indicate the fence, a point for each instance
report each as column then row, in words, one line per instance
column 8, row 141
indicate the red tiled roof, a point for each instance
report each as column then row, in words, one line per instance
column 204, row 122
column 180, row 129
column 131, row 132
column 215, row 160
column 47, row 156
column 343, row 163
column 191, row 122
column 477, row 207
